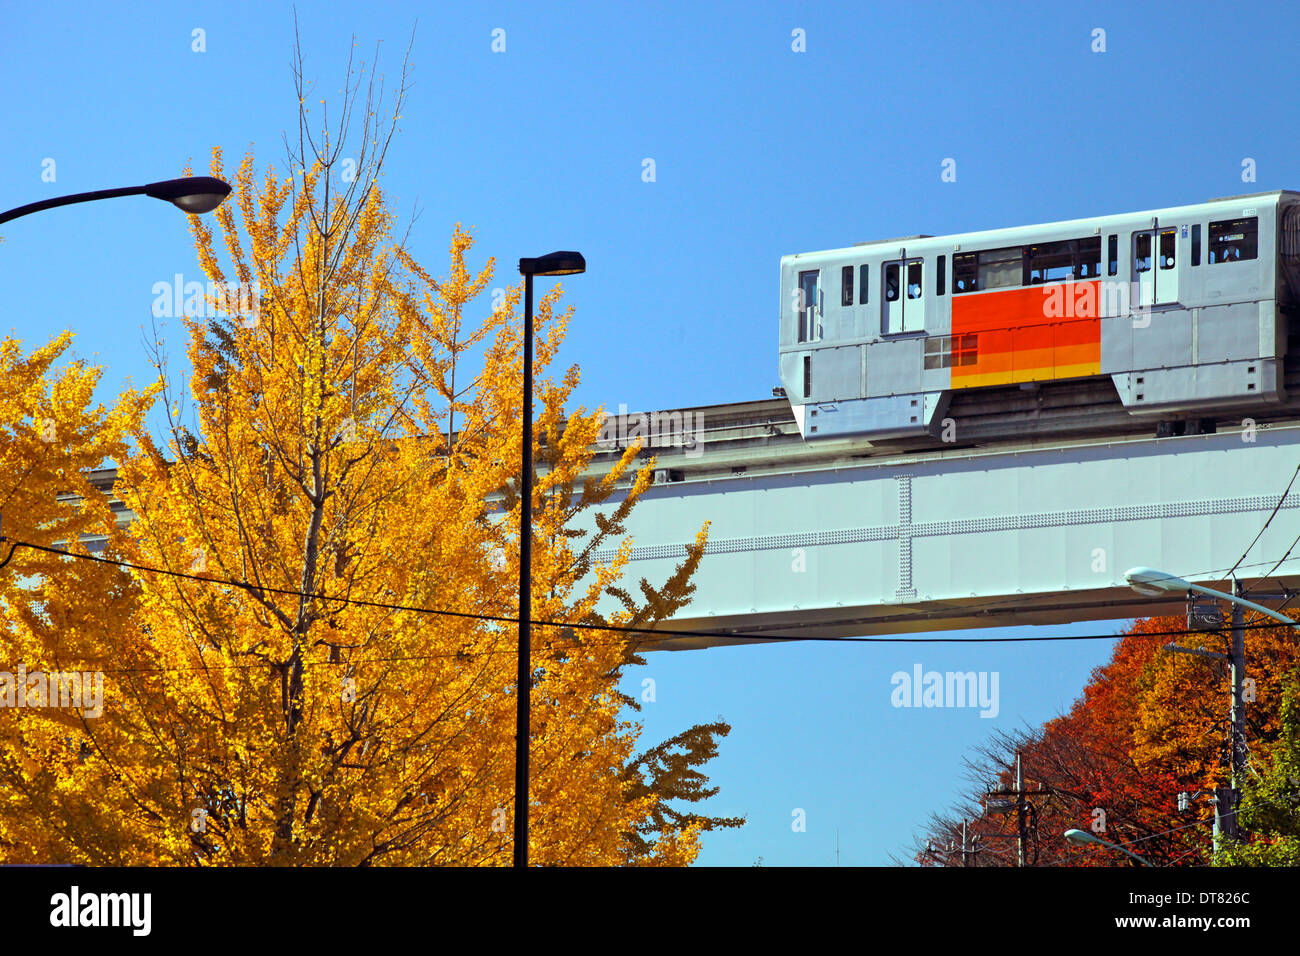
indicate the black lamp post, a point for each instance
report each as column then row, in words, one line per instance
column 193, row 194
column 555, row 264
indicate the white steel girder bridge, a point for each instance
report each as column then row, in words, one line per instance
column 852, row 539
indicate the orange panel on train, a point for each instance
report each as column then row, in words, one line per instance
column 1019, row 341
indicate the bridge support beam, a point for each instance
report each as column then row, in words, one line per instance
column 963, row 539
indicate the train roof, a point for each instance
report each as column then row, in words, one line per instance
column 1091, row 223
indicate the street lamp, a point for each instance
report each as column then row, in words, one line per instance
column 555, row 264
column 1082, row 837
column 193, row 195
column 1156, row 583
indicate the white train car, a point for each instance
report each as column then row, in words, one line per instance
column 1186, row 309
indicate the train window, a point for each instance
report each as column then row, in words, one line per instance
column 1168, row 245
column 940, row 275
column 863, row 272
column 1089, row 258
column 807, row 305
column 1196, row 244
column 1232, row 240
column 846, row 285
column 967, row 350
column 1141, row 252
column 891, row 282
column 807, row 376
column 914, row 280
column 1001, row 268
column 945, row 351
column 964, row 273
column 1051, row 262
column 938, row 351
column 1112, row 255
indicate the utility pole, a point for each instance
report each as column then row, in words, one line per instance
column 970, row 848
column 1022, row 833
column 1237, row 719
column 1226, row 798
column 1201, row 617
column 997, row 801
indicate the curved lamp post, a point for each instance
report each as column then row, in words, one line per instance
column 193, row 195
column 1082, row 837
column 1157, row 584
column 555, row 264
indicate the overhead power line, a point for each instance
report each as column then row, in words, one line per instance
column 651, row 632
column 1276, row 508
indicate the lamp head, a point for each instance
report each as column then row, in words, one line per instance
column 1079, row 837
column 193, row 194
column 554, row 264
column 1154, row 583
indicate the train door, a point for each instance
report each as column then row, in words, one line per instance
column 903, row 295
column 1155, row 266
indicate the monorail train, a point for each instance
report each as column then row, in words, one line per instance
column 1186, row 309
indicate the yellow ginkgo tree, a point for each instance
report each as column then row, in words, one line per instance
column 312, row 653
column 57, row 615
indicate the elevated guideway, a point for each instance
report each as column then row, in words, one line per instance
column 850, row 539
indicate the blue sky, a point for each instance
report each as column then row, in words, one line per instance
column 759, row 151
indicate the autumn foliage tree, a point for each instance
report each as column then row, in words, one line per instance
column 53, row 435
column 1150, row 724
column 310, row 647
column 1270, row 802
